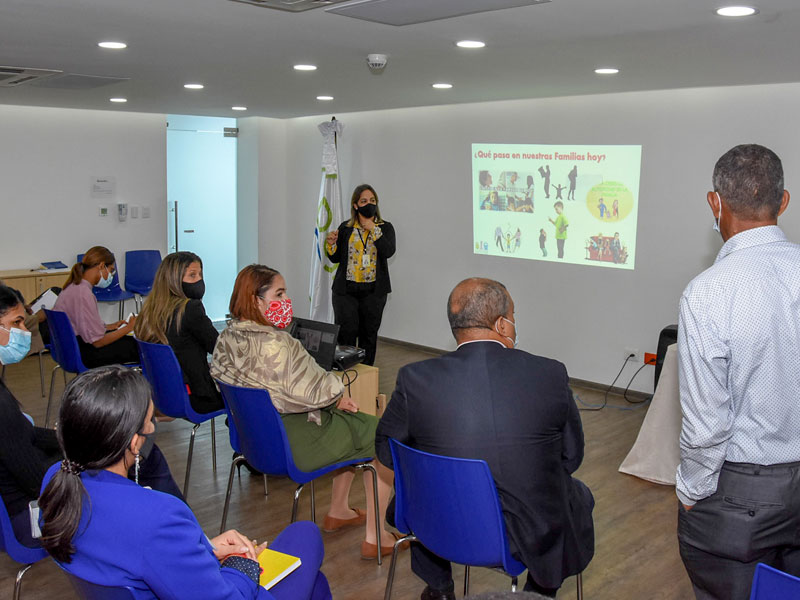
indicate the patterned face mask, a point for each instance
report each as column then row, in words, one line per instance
column 279, row 313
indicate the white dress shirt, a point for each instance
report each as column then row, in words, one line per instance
column 739, row 361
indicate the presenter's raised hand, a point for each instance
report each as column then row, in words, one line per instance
column 330, row 239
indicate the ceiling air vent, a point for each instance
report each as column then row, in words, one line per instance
column 14, row 76
column 292, row 5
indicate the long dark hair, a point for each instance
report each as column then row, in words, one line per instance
column 101, row 411
column 94, row 256
column 9, row 298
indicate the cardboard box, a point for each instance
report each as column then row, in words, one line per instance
column 363, row 388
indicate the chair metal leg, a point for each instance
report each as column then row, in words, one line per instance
column 466, row 581
column 378, row 516
column 296, row 498
column 266, row 491
column 213, row 447
column 313, row 504
column 50, row 399
column 18, row 582
column 41, row 371
column 513, row 584
column 579, row 581
column 390, row 579
column 64, row 373
column 239, row 459
column 189, row 464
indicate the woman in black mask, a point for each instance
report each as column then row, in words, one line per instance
column 173, row 314
column 361, row 246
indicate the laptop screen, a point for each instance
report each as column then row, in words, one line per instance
column 318, row 338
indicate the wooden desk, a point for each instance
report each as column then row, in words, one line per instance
column 32, row 283
column 364, row 390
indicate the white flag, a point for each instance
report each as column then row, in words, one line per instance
column 330, row 213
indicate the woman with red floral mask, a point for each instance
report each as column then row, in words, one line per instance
column 322, row 425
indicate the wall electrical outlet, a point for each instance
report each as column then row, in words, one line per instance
column 103, row 211
column 134, row 212
column 145, row 212
column 637, row 355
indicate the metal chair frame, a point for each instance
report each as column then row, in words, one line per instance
column 19, row 553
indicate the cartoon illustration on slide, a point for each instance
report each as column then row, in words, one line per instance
column 517, row 239
column 609, row 201
column 498, row 237
column 606, row 249
column 542, row 240
column 545, row 173
column 602, row 209
column 561, row 223
column 615, row 209
column 559, row 187
column 573, row 180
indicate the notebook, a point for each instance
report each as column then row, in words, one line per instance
column 276, row 566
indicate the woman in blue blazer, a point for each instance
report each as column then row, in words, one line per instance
column 106, row 529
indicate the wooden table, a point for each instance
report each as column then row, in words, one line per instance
column 31, row 283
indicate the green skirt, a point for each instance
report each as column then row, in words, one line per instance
column 342, row 436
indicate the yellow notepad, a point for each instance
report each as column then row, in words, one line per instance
column 276, row 565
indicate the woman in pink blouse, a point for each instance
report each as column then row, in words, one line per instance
column 100, row 343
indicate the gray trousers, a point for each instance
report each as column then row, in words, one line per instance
column 754, row 516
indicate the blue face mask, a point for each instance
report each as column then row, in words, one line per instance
column 105, row 281
column 17, row 348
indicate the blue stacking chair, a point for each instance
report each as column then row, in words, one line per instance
column 87, row 590
column 140, row 270
column 160, row 367
column 771, row 584
column 17, row 552
column 264, row 445
column 113, row 293
column 64, row 350
column 465, row 527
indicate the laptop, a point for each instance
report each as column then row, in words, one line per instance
column 319, row 340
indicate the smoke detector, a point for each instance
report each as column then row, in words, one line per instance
column 377, row 62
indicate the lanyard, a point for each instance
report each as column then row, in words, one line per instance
column 363, row 243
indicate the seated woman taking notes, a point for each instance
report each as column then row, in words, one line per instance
column 99, row 344
column 322, row 425
column 106, row 529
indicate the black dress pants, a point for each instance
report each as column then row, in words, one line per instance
column 754, row 516
column 122, row 351
column 358, row 314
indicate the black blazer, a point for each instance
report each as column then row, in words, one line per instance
column 515, row 411
column 386, row 246
column 192, row 345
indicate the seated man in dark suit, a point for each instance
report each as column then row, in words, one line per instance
column 512, row 409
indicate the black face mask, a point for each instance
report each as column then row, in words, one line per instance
column 194, row 291
column 368, row 210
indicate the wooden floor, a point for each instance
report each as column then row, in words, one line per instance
column 636, row 553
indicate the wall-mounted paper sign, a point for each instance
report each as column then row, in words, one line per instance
column 104, row 188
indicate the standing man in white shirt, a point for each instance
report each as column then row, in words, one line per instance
column 738, row 481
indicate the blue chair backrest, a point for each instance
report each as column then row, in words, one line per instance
column 110, row 290
column 772, row 584
column 93, row 591
column 451, row 505
column 140, row 269
column 63, row 343
column 262, row 437
column 160, row 367
column 10, row 545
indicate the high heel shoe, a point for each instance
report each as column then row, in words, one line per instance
column 245, row 464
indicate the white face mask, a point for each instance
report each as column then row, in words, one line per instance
column 515, row 341
column 719, row 218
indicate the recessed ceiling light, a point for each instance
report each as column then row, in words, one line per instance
column 113, row 45
column 118, row 99
column 442, row 86
column 305, row 67
column 238, row 108
column 736, row 11
column 470, row 44
column 324, row 97
column 607, row 71
column 193, row 86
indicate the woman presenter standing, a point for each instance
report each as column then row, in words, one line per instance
column 361, row 246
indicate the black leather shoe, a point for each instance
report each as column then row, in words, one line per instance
column 431, row 594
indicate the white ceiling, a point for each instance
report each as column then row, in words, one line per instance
column 244, row 54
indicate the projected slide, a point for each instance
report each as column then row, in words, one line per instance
column 574, row 204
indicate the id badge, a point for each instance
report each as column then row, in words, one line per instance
column 365, row 261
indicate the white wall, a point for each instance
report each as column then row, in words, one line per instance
column 418, row 159
column 48, row 158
